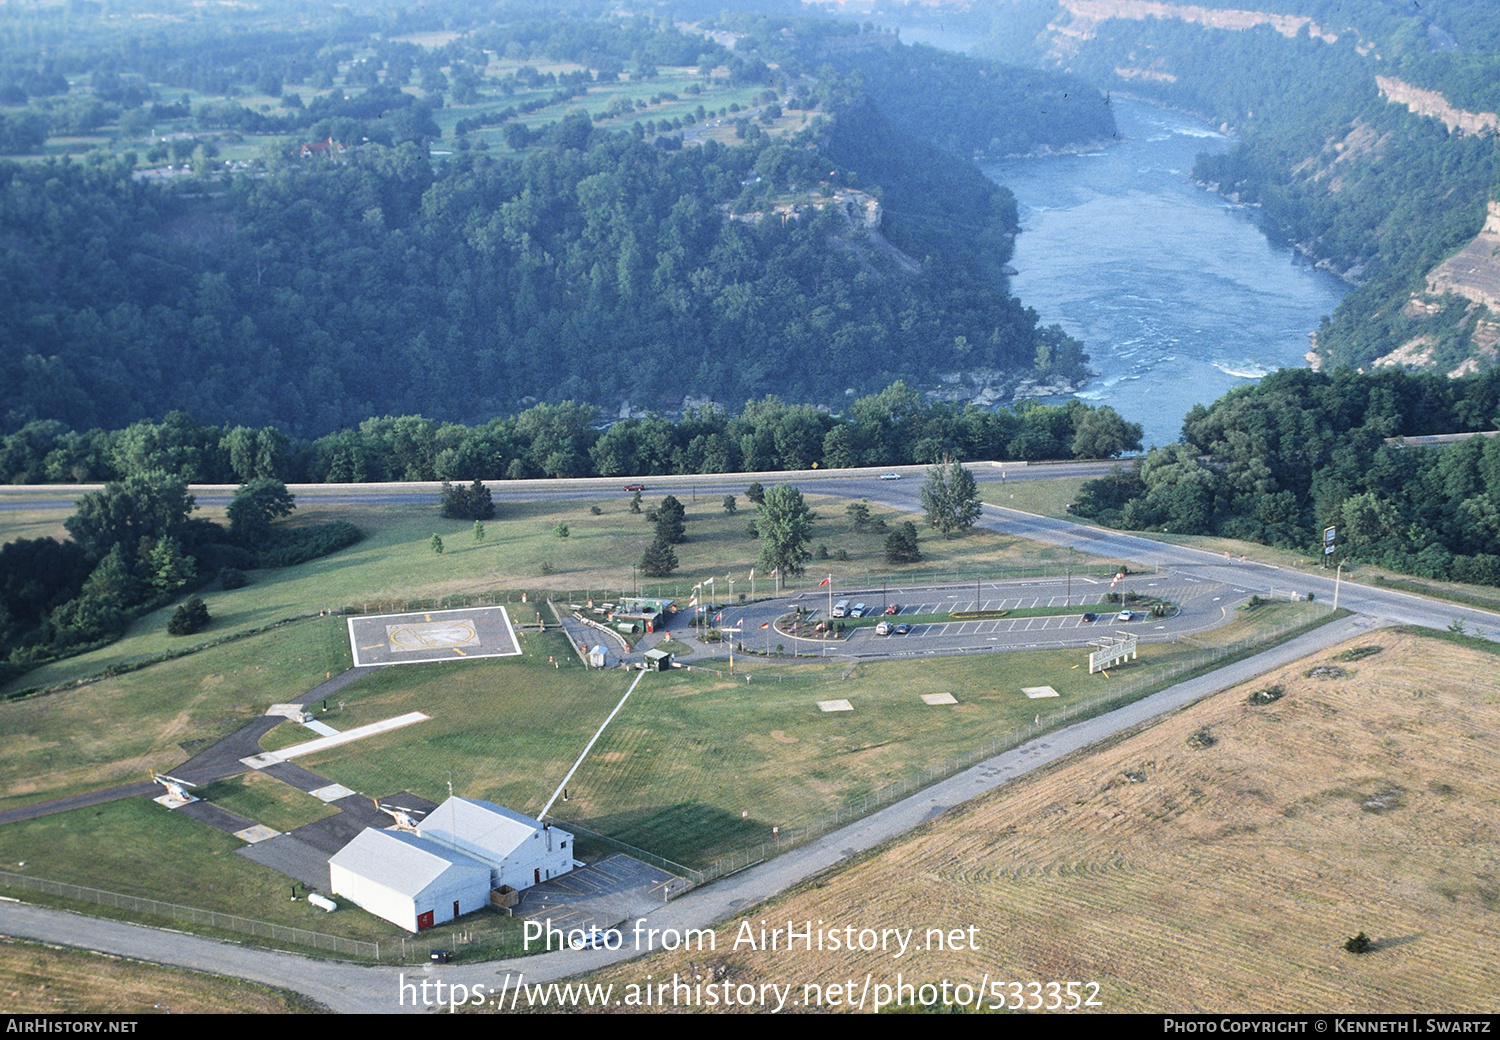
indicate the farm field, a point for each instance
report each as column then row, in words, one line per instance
column 1234, row 843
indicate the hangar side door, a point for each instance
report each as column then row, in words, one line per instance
column 424, row 920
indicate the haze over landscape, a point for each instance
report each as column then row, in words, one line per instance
column 995, row 438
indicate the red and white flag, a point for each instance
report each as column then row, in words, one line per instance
column 825, row 581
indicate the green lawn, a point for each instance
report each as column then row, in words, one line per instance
column 139, row 848
column 117, row 729
column 265, row 800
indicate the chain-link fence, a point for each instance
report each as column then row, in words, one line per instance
column 215, row 919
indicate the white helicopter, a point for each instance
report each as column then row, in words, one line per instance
column 175, row 787
column 403, row 817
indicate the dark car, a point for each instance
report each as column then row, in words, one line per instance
column 634, row 487
column 1091, row 617
column 902, row 629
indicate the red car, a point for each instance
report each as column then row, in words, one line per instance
column 894, row 608
column 635, row 487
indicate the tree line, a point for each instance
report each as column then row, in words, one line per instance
column 898, row 426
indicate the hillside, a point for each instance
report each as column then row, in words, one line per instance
column 1367, row 139
column 306, row 231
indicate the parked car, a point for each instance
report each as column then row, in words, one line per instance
column 1124, row 615
column 894, row 608
column 634, row 487
column 902, row 629
column 1091, row 616
column 860, row 610
column 890, row 476
column 884, row 628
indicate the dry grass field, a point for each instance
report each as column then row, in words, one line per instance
column 1224, row 874
column 37, row 979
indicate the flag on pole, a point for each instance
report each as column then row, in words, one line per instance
column 718, row 617
column 766, row 625
column 826, row 580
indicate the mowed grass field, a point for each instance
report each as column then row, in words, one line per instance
column 395, row 562
column 118, row 729
column 38, row 979
column 695, row 749
column 1221, row 878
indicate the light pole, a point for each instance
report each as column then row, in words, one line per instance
column 1337, row 575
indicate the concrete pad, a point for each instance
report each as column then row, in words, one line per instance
column 260, row 761
column 321, row 729
column 434, row 635
column 838, row 705
column 171, row 801
column 286, row 711
column 1038, row 692
column 939, row 698
column 260, row 832
column 331, row 793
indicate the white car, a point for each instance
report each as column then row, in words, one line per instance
column 890, row 476
column 1124, row 615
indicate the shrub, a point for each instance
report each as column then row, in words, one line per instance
column 232, row 578
column 1360, row 943
column 191, row 617
column 901, row 544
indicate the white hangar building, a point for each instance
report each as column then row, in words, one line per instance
column 520, row 851
column 411, row 882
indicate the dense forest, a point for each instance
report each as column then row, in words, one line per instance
column 803, row 244
column 1302, row 451
column 1362, row 185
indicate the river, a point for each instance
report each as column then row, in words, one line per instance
column 1176, row 293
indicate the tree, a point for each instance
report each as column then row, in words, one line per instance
column 950, row 498
column 635, row 502
column 478, row 531
column 191, row 617
column 730, row 505
column 436, row 545
column 670, row 526
column 901, row 545
column 784, row 525
column 858, row 514
column 756, row 493
column 467, row 503
column 256, row 503
column 149, row 506
column 560, row 529
column 659, row 560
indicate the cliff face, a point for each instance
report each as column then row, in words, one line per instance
column 1474, row 271
column 1430, row 103
column 1080, row 19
